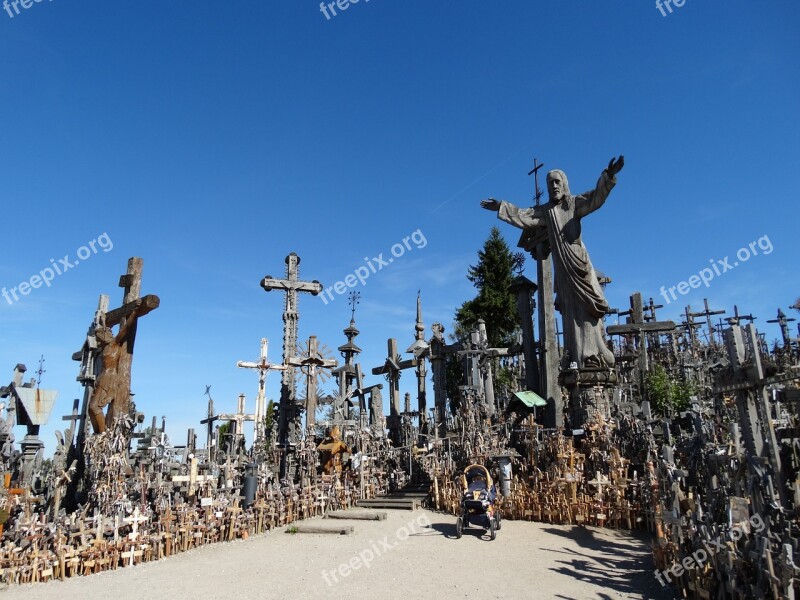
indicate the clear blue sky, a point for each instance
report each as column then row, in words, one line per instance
column 214, row 138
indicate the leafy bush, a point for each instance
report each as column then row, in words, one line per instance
column 667, row 396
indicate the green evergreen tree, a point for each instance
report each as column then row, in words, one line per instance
column 269, row 424
column 495, row 303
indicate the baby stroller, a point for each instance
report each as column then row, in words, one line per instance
column 477, row 503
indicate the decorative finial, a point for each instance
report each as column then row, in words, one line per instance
column 40, row 371
column 353, row 298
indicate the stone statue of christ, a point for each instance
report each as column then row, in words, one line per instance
column 579, row 297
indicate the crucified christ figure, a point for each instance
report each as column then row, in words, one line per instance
column 112, row 387
column 579, row 297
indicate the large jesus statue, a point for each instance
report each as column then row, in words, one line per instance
column 579, row 298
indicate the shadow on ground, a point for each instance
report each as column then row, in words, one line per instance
column 448, row 530
column 624, row 566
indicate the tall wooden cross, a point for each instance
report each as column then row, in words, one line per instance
column 131, row 282
column 263, row 366
column 291, row 285
column 209, row 423
column 312, row 364
column 536, row 242
column 391, row 369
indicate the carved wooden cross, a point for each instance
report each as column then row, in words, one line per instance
column 392, row 369
column 311, row 363
column 291, row 285
column 131, row 282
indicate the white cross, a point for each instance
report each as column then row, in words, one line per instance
column 135, row 520
column 599, row 481
column 263, row 366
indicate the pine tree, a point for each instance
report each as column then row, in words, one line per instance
column 495, row 303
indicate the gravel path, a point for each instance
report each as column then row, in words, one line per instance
column 409, row 555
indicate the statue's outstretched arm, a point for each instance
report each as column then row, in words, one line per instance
column 589, row 202
column 524, row 218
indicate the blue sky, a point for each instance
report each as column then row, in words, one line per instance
column 212, row 139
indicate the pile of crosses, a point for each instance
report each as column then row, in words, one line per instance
column 127, row 520
column 114, row 496
column 554, row 482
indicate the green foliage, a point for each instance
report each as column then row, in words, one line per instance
column 495, row 303
column 269, row 418
column 225, row 428
column 454, row 377
column 503, row 378
column 667, row 396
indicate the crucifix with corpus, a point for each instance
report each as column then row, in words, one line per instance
column 263, row 366
column 287, row 411
column 109, row 382
column 312, row 363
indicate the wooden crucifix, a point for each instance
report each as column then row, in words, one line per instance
column 112, row 385
column 290, row 285
column 312, row 364
column 263, row 366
